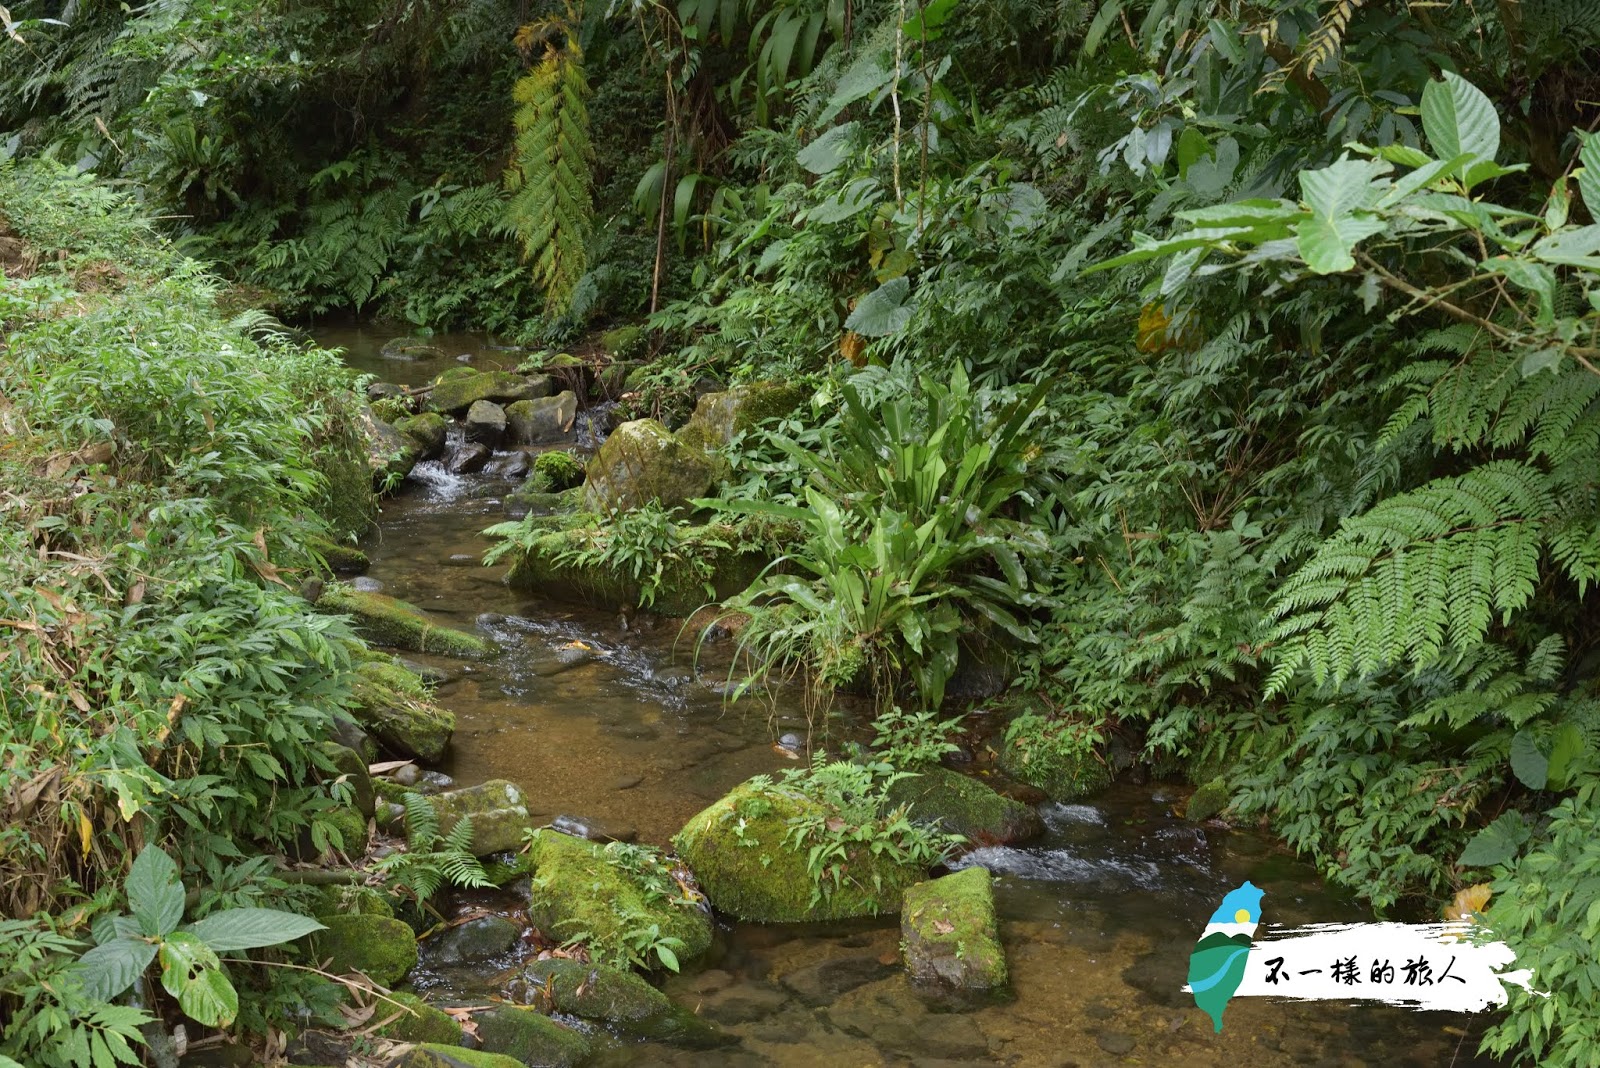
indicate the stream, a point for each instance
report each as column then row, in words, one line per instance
column 1098, row 917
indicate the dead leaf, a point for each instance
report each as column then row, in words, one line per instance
column 135, row 594
column 943, row 926
column 835, row 824
column 1469, row 901
column 781, row 751
column 384, row 766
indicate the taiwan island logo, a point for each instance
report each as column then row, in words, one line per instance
column 1454, row 965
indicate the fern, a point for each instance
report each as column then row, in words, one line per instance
column 551, row 207
column 430, row 862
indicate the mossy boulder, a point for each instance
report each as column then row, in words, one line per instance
column 456, row 395
column 948, row 932
column 736, row 849
column 720, row 417
column 642, row 462
column 420, row 1022
column 529, row 1037
column 411, row 348
column 341, row 557
column 435, row 1055
column 543, row 419
column 394, row 706
column 1209, row 800
column 350, row 899
column 380, row 947
column 680, row 589
column 1055, row 756
column 963, row 805
column 428, row 430
column 350, row 766
column 499, row 815
column 475, row 940
column 389, row 621
column 576, row 888
column 556, row 471
column 619, row 998
column 390, row 454
column 352, row 830
column 624, row 342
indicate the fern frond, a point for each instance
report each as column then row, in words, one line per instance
column 422, row 822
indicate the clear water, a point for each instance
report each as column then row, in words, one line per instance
column 1098, row 917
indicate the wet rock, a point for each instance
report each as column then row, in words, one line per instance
column 363, row 584
column 378, row 391
column 575, row 888
column 455, row 393
column 546, row 418
column 642, row 462
column 822, row 983
column 341, row 557
column 592, row 830
column 529, row 1037
column 467, row 458
column 737, row 850
column 390, row 454
column 626, row 782
column 963, row 805
column 743, row 1004
column 499, row 816
column 351, row 767
column 434, row 782
column 720, row 417
column 511, row 465
column 411, row 348
column 1049, row 754
column 1209, row 800
column 948, row 932
column 406, row 775
column 350, row 734
column 461, row 560
column 381, row 948
column 390, row 816
column 622, row 999
column 392, row 703
column 1182, row 845
column 389, row 621
column 420, row 1023
column 485, row 423
column 473, row 941
column 428, row 430
column 432, row 1055
column 318, row 1048
column 792, row 742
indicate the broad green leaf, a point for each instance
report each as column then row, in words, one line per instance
column 850, row 201
column 1334, row 194
column 1458, row 118
column 1536, row 278
column 1496, row 843
column 237, row 929
column 155, row 894
column 1589, row 174
column 1404, row 155
column 1529, row 765
column 1326, row 242
column 192, row 973
column 1567, row 745
column 108, row 969
column 1557, row 206
column 927, row 23
column 669, row 959
column 886, row 310
column 1577, row 247
column 1192, row 146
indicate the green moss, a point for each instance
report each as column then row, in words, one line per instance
column 575, row 888
column 625, row 342
column 506, row 872
column 949, row 931
column 387, row 621
column 347, row 500
column 529, row 1037
column 556, row 471
column 423, row 1023
column 1209, row 800
column 428, row 430
column 963, row 805
column 392, row 703
column 499, row 816
column 736, row 849
column 391, row 409
column 455, row 374
column 340, row 556
column 350, row 899
column 352, row 828
column 1055, row 756
column 641, row 462
column 622, row 999
column 459, row 394
column 433, row 1055
column 381, row 948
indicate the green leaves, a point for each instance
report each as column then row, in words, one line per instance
column 884, row 311
column 830, row 151
column 236, row 929
column 1496, row 843
column 1338, row 197
column 1458, row 118
column 155, row 894
column 109, row 969
column 191, row 972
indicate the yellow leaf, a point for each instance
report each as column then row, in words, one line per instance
column 85, row 831
column 1470, row 901
column 1152, row 333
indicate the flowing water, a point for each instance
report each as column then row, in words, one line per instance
column 615, row 725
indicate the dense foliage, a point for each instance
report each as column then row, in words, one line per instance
column 1304, row 295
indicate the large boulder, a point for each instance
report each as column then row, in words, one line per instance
column 387, row 621
column 434, row 1055
column 390, row 454
column 948, row 932
column 529, row 1037
column 456, row 395
column 418, row 1021
column 428, row 430
column 534, row 422
column 739, row 850
column 380, row 947
column 963, row 805
column 720, row 417
column 486, row 423
column 1053, row 756
column 616, row 997
column 579, row 886
column 642, row 462
column 473, row 941
column 499, row 816
column 392, row 704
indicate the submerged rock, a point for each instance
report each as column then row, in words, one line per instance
column 737, row 850
column 529, row 1037
column 392, row 622
column 948, row 932
column 499, row 816
column 534, row 422
column 621, row 999
column 392, row 703
column 379, row 947
column 411, row 348
column 642, row 462
column 578, row 886
column 965, row 806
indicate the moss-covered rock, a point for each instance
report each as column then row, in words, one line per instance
column 350, row 899
column 393, row 705
column 529, row 1037
column 380, row 947
column 428, row 430
column 719, row 417
column 625, row 342
column 456, row 395
column 556, row 471
column 1055, row 756
column 737, row 851
column 352, row 829
column 341, row 557
column 642, row 462
column 949, row 935
column 1209, row 800
column 576, row 888
column 478, row 939
column 411, row 348
column 619, row 998
column 388, row 621
column 434, row 1055
column 420, row 1022
column 499, row 816
column 963, row 805
column 351, row 766
column 534, row 422
column 390, row 454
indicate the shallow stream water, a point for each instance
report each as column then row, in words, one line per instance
column 1098, row 917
